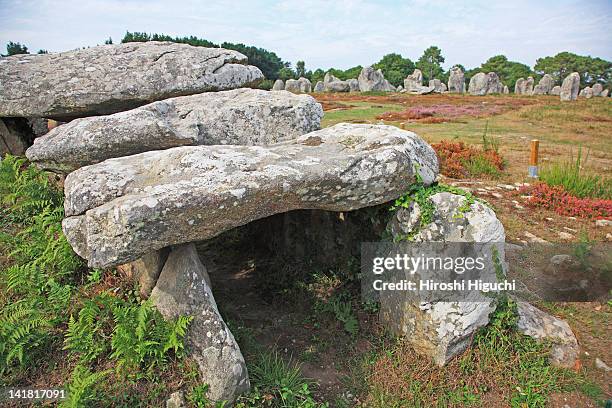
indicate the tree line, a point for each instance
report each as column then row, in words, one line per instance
column 394, row 66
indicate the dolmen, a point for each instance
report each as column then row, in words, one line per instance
column 179, row 151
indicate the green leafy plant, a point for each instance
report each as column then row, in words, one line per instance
column 82, row 388
column 572, row 176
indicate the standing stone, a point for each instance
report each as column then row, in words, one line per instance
column 597, row 89
column 506, row 90
column 443, row 329
column 570, row 87
column 414, row 81
column 519, row 86
column 147, row 270
column 529, row 86
column 292, row 85
column 304, row 85
column 183, row 289
column 556, row 90
column 373, row 80
column 437, row 85
column 112, row 78
column 494, row 85
column 353, row 85
column 546, row 84
column 456, row 80
column 319, row 87
column 279, row 85
column 443, row 87
column 535, row 323
column 604, row 93
column 588, row 92
column 333, row 84
column 238, row 117
column 479, row 84
column 123, row 208
column 400, row 88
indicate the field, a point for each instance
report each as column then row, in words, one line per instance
column 307, row 338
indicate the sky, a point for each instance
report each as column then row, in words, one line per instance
column 325, row 34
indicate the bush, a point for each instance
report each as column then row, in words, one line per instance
column 457, row 160
column 556, row 198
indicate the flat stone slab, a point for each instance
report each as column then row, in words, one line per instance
column 239, row 117
column 122, row 208
column 112, row 78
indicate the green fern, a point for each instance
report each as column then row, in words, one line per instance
column 82, row 387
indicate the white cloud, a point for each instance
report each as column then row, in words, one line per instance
column 341, row 34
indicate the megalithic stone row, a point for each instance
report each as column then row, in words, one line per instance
column 238, row 117
column 111, row 78
column 122, row 208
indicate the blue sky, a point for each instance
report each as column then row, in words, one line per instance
column 326, row 34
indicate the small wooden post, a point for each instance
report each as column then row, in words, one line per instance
column 533, row 158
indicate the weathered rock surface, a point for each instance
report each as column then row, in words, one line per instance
column 16, row 134
column 122, row 208
column 456, row 80
column 597, row 89
column 176, row 400
column 301, row 85
column 414, row 81
column 506, row 90
column 333, row 84
column 495, row 86
column 183, row 289
column 437, row 85
column 542, row 326
column 570, row 87
column 604, row 93
column 556, row 90
column 147, row 270
column 111, row 78
column 519, row 86
column 371, row 79
column 292, row 85
column 279, row 85
column 240, row 117
column 545, row 85
column 479, row 84
column 443, row 329
column 353, row 85
column 320, row 87
column 587, row 92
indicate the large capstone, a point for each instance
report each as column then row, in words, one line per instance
column 237, row 117
column 122, row 208
column 443, row 329
column 183, row 289
column 111, row 78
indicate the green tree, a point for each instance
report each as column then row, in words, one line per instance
column 316, row 76
column 430, row 63
column 395, row 68
column 508, row 71
column 108, row 41
column 591, row 69
column 300, row 69
column 42, row 52
column 286, row 73
column 14, row 48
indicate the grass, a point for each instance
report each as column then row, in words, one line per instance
column 572, row 176
column 503, row 366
